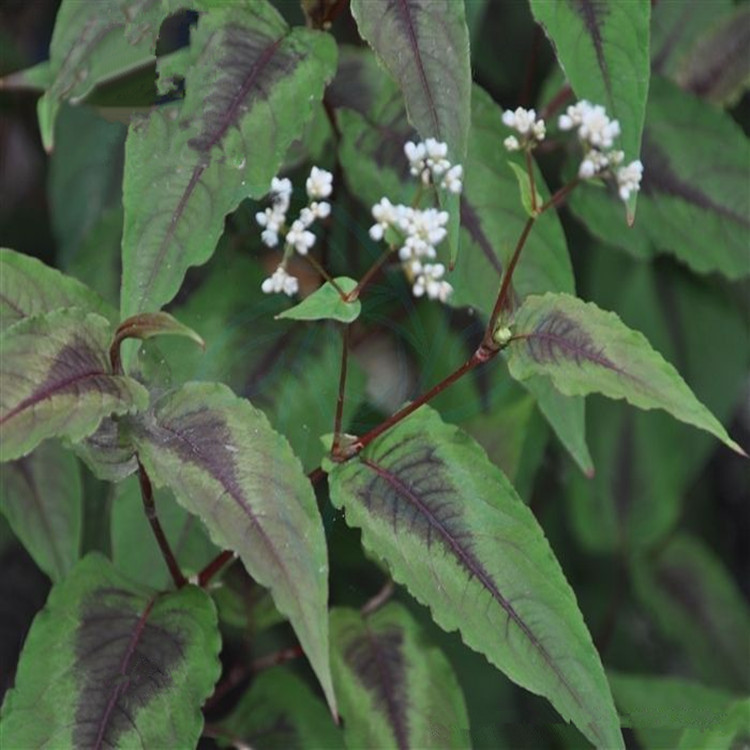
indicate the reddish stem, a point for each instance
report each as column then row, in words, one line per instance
column 317, row 475
column 532, row 186
column 556, row 102
column 339, row 418
column 147, row 494
column 205, row 576
column 369, row 275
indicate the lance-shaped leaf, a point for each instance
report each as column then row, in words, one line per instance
column 111, row 664
column 226, row 465
column 694, row 194
column 730, row 732
column 280, row 711
column 584, row 349
column 327, row 303
column 396, row 689
column 188, row 166
column 56, row 380
column 603, row 48
column 28, row 287
column 42, row 497
column 454, row 531
column 696, row 604
column 92, row 43
column 663, row 710
column 424, row 45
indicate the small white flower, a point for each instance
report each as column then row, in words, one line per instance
column 270, row 237
column 281, row 187
column 428, row 279
column 321, row 210
column 300, row 238
column 453, row 180
column 594, row 163
column 319, row 184
column 377, row 232
column 436, row 157
column 511, row 143
column 280, row 281
column 597, row 129
column 629, row 179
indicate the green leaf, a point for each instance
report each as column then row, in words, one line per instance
column 524, row 185
column 326, row 303
column 584, row 349
column 188, row 166
column 226, row 465
column 662, row 710
column 108, row 452
column 718, row 67
column 42, row 497
column 425, row 47
column 727, row 734
column 280, row 711
column 28, row 287
column 603, row 49
column 144, row 561
column 111, row 664
column 56, row 381
column 93, row 43
column 36, row 78
column 694, row 194
column 697, row 605
column 453, row 530
column 396, row 689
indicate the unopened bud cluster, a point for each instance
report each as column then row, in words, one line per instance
column 529, row 127
column 420, row 230
column 297, row 237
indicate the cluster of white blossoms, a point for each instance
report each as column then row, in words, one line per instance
column 298, row 236
column 525, row 122
column 418, row 231
column 597, row 133
column 428, row 161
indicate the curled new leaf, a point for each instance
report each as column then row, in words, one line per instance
column 454, row 531
column 396, row 690
column 55, row 380
column 226, row 465
column 111, row 664
column 584, row 349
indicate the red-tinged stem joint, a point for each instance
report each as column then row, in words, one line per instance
column 222, row 559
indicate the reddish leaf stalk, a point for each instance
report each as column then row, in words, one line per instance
column 327, row 276
column 147, row 494
column 205, row 576
column 369, row 275
column 342, row 390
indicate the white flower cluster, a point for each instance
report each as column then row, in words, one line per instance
column 525, row 122
column 597, row 133
column 298, row 236
column 427, row 160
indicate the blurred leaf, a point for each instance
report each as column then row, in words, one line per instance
column 106, row 661
column 584, row 349
column 244, row 67
column 326, row 303
column 134, row 548
column 92, row 43
column 718, row 67
column 225, row 463
column 280, row 712
column 454, row 531
column 695, row 190
column 696, row 604
column 603, row 49
column 662, row 710
column 28, row 287
column 42, row 497
column 396, row 689
column 731, row 732
column 56, row 380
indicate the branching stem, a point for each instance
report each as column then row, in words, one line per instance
column 205, row 576
column 313, row 261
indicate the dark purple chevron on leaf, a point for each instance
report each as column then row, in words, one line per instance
column 378, row 659
column 123, row 661
column 593, row 14
column 557, row 338
column 660, row 177
column 470, row 221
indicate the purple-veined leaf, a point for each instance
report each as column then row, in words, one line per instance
column 281, row 711
column 55, row 380
column 41, row 496
column 108, row 452
column 424, row 45
column 396, row 690
column 584, row 349
column 695, row 191
column 696, row 604
column 453, row 530
column 603, row 48
column 28, row 287
column 91, row 43
column 111, row 664
column 225, row 464
column 188, row 165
